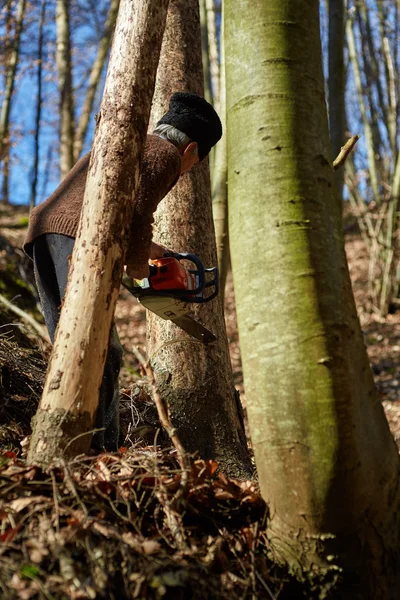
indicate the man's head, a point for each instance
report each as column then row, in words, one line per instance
column 192, row 125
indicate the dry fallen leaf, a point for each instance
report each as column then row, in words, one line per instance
column 20, row 503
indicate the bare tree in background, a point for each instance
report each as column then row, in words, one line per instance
column 64, row 66
column 336, row 83
column 39, row 101
column 11, row 59
column 373, row 174
column 94, row 78
column 219, row 181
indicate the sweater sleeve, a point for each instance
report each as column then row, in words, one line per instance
column 160, row 171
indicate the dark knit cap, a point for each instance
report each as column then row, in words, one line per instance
column 195, row 117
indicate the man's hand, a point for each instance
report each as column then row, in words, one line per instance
column 156, row 251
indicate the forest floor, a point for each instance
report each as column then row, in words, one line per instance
column 106, row 528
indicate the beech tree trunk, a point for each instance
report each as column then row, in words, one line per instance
column 196, row 380
column 64, row 66
column 71, row 392
column 327, row 463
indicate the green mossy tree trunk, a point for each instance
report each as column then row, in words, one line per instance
column 327, row 463
column 195, row 379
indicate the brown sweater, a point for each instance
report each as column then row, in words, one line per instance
column 60, row 212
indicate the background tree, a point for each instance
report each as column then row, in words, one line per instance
column 70, row 398
column 39, row 102
column 219, row 184
column 94, row 79
column 336, row 83
column 11, row 61
column 327, row 462
column 64, row 66
column 196, row 380
column 373, row 177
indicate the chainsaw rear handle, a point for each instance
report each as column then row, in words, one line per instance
column 200, row 272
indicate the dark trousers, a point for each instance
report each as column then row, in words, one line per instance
column 51, row 254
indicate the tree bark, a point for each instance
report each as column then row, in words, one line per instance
column 196, row 380
column 327, row 463
column 12, row 62
column 64, row 66
column 94, row 78
column 71, row 392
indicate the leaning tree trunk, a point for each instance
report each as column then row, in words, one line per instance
column 196, row 380
column 327, row 463
column 71, row 391
column 64, row 66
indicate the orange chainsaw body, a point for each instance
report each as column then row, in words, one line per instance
column 169, row 273
column 171, row 288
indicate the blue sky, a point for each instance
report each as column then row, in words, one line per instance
column 85, row 35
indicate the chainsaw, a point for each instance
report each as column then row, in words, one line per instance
column 171, row 288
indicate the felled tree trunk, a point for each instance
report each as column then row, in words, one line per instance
column 71, row 392
column 196, row 380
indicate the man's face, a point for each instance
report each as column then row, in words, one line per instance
column 189, row 157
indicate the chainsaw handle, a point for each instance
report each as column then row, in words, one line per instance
column 201, row 273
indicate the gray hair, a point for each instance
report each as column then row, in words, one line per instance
column 172, row 134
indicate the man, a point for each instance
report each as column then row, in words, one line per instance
column 183, row 137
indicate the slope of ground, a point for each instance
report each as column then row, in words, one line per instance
column 137, row 526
